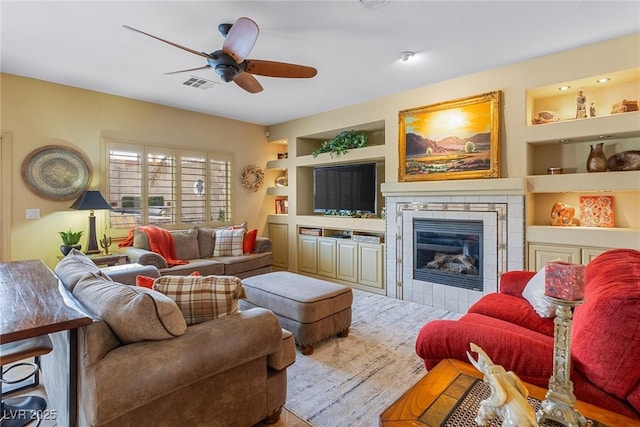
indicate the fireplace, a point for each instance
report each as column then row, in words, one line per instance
column 448, row 252
column 497, row 205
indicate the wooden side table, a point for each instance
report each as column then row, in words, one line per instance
column 109, row 260
column 429, row 402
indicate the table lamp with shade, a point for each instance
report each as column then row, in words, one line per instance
column 91, row 200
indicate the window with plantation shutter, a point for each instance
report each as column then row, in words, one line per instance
column 170, row 188
column 193, row 190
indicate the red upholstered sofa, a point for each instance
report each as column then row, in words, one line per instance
column 605, row 336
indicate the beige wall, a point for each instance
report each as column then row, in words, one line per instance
column 514, row 80
column 36, row 113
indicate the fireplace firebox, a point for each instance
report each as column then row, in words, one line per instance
column 448, row 252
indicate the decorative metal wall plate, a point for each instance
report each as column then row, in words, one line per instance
column 56, row 172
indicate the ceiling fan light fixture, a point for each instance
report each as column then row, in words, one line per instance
column 406, row 55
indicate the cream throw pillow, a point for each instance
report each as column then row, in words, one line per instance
column 229, row 242
column 534, row 293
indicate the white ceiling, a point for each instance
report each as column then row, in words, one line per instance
column 356, row 50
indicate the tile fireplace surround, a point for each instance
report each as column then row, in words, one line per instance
column 498, row 203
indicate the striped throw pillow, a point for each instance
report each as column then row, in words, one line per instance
column 202, row 298
column 229, row 242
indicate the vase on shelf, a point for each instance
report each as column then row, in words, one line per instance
column 597, row 161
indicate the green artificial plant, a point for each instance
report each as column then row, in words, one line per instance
column 70, row 238
column 342, row 142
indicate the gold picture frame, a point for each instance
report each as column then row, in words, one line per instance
column 457, row 139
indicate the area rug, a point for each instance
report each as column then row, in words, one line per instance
column 348, row 382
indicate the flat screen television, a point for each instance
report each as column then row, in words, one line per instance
column 345, row 188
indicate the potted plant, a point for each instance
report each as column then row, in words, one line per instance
column 70, row 240
column 342, row 142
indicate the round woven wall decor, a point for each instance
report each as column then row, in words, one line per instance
column 252, row 177
column 56, row 172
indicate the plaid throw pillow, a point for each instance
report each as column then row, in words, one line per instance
column 202, row 298
column 229, row 242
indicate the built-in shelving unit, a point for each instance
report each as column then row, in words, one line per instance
column 566, row 144
column 276, row 168
column 327, row 255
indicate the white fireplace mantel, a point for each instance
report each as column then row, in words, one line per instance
column 479, row 187
column 498, row 203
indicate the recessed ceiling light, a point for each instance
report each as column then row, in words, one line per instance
column 603, row 80
column 564, row 88
column 406, row 55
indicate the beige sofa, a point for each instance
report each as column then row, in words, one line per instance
column 230, row 371
column 197, row 246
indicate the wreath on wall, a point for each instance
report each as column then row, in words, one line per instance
column 252, row 177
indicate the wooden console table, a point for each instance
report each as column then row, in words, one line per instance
column 109, row 260
column 429, row 402
column 33, row 305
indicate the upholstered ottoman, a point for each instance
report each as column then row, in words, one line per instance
column 312, row 309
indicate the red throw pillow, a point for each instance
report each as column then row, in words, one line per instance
column 249, row 241
column 144, row 281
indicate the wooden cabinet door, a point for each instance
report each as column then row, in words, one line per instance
column 588, row 254
column 308, row 254
column 279, row 235
column 327, row 257
column 371, row 264
column 347, row 261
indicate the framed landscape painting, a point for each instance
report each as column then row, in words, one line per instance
column 452, row 140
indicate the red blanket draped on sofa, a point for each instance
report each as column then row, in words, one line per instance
column 160, row 241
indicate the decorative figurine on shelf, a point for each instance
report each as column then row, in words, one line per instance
column 597, row 161
column 581, row 108
column 592, row 109
column 563, row 214
column 546, row 116
column 105, row 242
column 508, row 397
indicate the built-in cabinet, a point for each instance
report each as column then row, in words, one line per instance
column 353, row 263
column 565, row 142
column 333, row 254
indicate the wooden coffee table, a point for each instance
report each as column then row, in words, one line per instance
column 429, row 402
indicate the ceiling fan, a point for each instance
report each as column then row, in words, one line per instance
column 231, row 62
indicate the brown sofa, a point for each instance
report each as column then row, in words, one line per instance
column 197, row 245
column 230, row 371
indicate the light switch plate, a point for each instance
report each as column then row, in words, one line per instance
column 33, row 213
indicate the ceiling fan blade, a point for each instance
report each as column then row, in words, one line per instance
column 240, row 39
column 279, row 69
column 189, row 69
column 247, row 82
column 168, row 42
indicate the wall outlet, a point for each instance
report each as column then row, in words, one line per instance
column 33, row 213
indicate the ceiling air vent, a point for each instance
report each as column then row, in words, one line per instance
column 372, row 4
column 200, row 83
